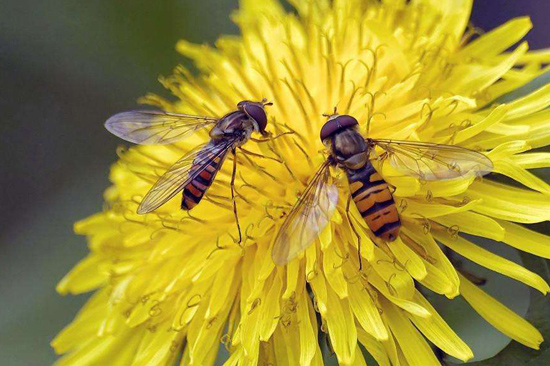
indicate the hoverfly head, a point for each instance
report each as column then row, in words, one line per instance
column 337, row 123
column 256, row 111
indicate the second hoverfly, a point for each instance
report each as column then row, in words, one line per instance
column 193, row 173
column 353, row 153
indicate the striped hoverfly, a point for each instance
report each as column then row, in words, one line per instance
column 351, row 152
column 194, row 172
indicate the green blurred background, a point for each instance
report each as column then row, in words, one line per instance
column 65, row 66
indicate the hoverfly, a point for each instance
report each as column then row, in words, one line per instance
column 193, row 173
column 353, row 153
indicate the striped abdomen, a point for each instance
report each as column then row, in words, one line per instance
column 193, row 192
column 375, row 202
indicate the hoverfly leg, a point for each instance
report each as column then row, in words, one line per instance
column 271, row 138
column 234, row 152
column 247, row 152
column 356, row 233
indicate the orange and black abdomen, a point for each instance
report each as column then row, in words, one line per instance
column 375, row 202
column 195, row 190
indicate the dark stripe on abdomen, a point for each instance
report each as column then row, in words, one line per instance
column 195, row 190
column 374, row 201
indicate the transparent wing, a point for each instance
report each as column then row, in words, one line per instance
column 308, row 217
column 155, row 127
column 182, row 173
column 430, row 161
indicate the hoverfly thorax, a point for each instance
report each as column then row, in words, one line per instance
column 341, row 136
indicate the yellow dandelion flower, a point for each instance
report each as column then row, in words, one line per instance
column 174, row 285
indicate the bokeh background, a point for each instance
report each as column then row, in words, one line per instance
column 66, row 66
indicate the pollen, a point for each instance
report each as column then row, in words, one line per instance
column 177, row 286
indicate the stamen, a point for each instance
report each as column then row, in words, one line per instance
column 390, row 287
column 254, row 305
column 226, row 341
column 353, row 93
column 298, row 101
column 155, row 310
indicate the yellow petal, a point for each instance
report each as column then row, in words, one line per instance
column 525, row 207
column 286, row 345
column 386, row 289
column 385, row 36
column 359, row 359
column 341, row 328
column 532, row 160
column 526, row 240
column 292, row 276
column 116, row 351
column 92, row 224
column 401, row 283
column 203, row 335
column 233, row 359
column 84, row 326
column 158, row 347
column 507, row 149
column 537, row 56
column 436, row 280
column 435, row 256
column 497, row 40
column 307, row 326
column 365, row 310
column 509, row 130
column 84, row 277
column 499, row 316
column 414, row 346
column 415, row 209
column 513, row 80
column 472, row 223
column 494, row 117
column 374, row 347
column 222, row 286
column 535, row 136
column 333, row 261
column 510, row 169
column 469, row 77
column 444, row 188
column 271, row 311
column 409, row 259
column 529, row 104
column 439, row 332
column 492, row 261
column 319, row 287
column 250, row 337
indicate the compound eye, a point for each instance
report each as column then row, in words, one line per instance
column 257, row 113
column 337, row 124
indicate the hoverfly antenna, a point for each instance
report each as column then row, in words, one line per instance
column 266, row 103
column 335, row 112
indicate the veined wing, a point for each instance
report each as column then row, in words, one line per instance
column 429, row 161
column 183, row 172
column 307, row 218
column 155, row 127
